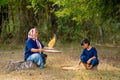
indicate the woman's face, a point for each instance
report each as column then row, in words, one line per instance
column 36, row 34
column 85, row 45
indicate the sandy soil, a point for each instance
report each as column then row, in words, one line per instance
column 108, row 69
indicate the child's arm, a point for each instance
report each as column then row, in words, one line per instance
column 78, row 64
column 91, row 59
column 80, row 59
column 95, row 55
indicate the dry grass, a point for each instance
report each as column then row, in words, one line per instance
column 108, row 69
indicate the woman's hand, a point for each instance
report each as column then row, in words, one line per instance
column 41, row 50
column 47, row 48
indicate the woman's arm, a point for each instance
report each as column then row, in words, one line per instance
column 37, row 50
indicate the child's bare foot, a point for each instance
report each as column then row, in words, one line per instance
column 89, row 67
column 86, row 68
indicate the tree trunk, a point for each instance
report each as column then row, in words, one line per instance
column 101, row 33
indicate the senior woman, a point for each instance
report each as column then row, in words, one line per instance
column 34, row 49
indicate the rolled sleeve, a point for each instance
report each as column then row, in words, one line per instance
column 29, row 45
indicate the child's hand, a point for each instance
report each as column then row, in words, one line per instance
column 77, row 66
column 89, row 61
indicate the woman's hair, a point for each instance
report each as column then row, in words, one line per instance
column 85, row 41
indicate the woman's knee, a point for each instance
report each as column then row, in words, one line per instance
column 34, row 56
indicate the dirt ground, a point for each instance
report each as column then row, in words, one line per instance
column 108, row 69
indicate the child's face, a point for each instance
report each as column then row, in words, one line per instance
column 85, row 45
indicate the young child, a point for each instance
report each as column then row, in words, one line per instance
column 88, row 57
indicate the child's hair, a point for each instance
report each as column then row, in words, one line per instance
column 85, row 40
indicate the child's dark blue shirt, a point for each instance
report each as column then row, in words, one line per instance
column 89, row 53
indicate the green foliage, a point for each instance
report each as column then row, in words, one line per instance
column 71, row 20
column 87, row 16
column 35, row 4
column 3, row 2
